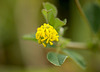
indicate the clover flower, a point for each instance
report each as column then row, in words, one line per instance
column 46, row 34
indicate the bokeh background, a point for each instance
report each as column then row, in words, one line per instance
column 20, row 17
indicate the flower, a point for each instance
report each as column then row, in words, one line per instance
column 46, row 34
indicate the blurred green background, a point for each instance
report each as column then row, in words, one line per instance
column 20, row 17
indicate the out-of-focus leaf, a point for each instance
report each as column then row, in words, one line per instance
column 58, row 23
column 50, row 13
column 65, row 21
column 56, row 59
column 44, row 12
column 55, row 22
column 76, row 57
column 92, row 12
column 51, row 18
column 49, row 6
column 30, row 37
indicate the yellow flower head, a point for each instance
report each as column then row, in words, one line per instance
column 46, row 34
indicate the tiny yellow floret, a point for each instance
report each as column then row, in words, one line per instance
column 46, row 34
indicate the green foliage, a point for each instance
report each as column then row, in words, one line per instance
column 50, row 13
column 51, row 18
column 65, row 21
column 58, row 23
column 92, row 12
column 49, row 6
column 56, row 59
column 76, row 57
column 44, row 11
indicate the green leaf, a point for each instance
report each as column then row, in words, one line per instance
column 50, row 13
column 49, row 6
column 51, row 18
column 30, row 37
column 55, row 22
column 65, row 21
column 92, row 12
column 58, row 23
column 76, row 57
column 44, row 12
column 56, row 59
